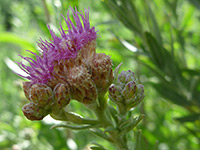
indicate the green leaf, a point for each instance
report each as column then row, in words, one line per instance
column 170, row 92
column 159, row 73
column 155, row 49
column 74, row 127
column 78, row 119
column 124, row 11
column 101, row 134
column 116, row 71
column 189, row 118
column 187, row 20
column 138, row 143
column 153, row 25
column 97, row 146
column 131, row 124
column 8, row 37
column 110, row 128
column 196, row 3
column 191, row 72
column 113, row 113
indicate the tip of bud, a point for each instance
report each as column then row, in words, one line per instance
column 115, row 93
column 129, row 90
column 26, row 87
column 126, row 76
column 33, row 112
column 41, row 94
column 62, row 95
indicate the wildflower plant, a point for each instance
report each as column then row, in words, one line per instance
column 68, row 68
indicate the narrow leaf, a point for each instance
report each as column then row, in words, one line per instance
column 152, row 22
column 155, row 49
column 138, row 145
column 189, row 118
column 101, row 134
column 116, row 71
column 126, row 128
column 113, row 113
column 73, row 127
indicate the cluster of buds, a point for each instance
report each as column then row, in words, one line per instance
column 126, row 92
column 68, row 68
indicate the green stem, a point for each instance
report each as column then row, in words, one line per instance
column 118, row 141
column 122, row 108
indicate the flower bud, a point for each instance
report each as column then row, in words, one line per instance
column 82, row 86
column 26, row 87
column 102, row 73
column 41, row 94
column 140, row 91
column 62, row 95
column 115, row 93
column 126, row 92
column 125, row 77
column 129, row 90
column 33, row 112
column 137, row 98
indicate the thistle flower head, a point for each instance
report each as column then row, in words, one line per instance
column 59, row 49
column 68, row 68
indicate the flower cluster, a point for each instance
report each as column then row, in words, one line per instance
column 126, row 92
column 68, row 68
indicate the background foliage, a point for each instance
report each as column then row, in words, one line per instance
column 158, row 39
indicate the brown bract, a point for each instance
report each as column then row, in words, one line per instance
column 33, row 112
column 102, row 74
column 62, row 95
column 82, row 86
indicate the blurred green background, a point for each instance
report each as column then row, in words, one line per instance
column 158, row 40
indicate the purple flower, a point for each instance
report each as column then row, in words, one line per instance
column 68, row 45
column 39, row 70
column 65, row 47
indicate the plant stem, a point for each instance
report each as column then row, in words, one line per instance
column 118, row 141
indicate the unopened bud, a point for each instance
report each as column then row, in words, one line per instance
column 33, row 112
column 136, row 98
column 140, row 91
column 126, row 92
column 102, row 73
column 129, row 90
column 26, row 87
column 82, row 86
column 62, row 95
column 41, row 94
column 115, row 93
column 126, row 76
